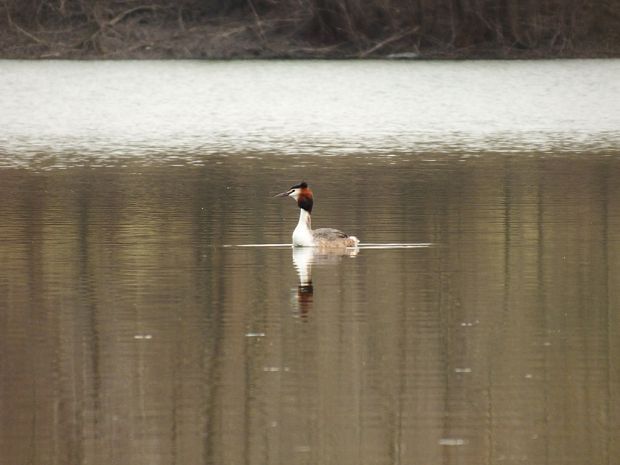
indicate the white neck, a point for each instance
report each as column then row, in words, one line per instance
column 304, row 219
column 302, row 236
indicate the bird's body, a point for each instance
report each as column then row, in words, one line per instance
column 304, row 235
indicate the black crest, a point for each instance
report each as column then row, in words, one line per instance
column 301, row 185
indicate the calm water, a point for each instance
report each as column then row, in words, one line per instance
column 135, row 330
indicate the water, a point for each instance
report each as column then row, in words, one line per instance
column 135, row 329
column 187, row 107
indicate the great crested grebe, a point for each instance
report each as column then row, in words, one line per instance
column 304, row 235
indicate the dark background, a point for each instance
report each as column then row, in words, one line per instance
column 309, row 28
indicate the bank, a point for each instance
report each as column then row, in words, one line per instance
column 153, row 32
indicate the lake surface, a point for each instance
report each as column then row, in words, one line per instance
column 314, row 107
column 137, row 327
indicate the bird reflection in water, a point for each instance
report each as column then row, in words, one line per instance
column 303, row 260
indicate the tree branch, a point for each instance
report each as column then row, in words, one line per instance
column 20, row 29
column 118, row 18
column 389, row 40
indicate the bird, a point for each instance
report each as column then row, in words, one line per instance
column 304, row 235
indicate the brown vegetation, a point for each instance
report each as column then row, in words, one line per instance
column 308, row 28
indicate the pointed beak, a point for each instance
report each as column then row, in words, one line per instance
column 282, row 194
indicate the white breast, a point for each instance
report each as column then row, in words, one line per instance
column 302, row 236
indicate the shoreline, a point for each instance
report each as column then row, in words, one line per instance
column 241, row 38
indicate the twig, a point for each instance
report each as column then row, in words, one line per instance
column 28, row 34
column 109, row 25
column 180, row 19
column 387, row 41
column 258, row 21
column 317, row 50
column 118, row 18
column 230, row 32
column 20, row 29
column 128, row 50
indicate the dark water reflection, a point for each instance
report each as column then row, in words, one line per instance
column 129, row 334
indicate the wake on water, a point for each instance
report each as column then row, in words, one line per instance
column 370, row 245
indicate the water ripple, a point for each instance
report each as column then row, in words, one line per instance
column 157, row 110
